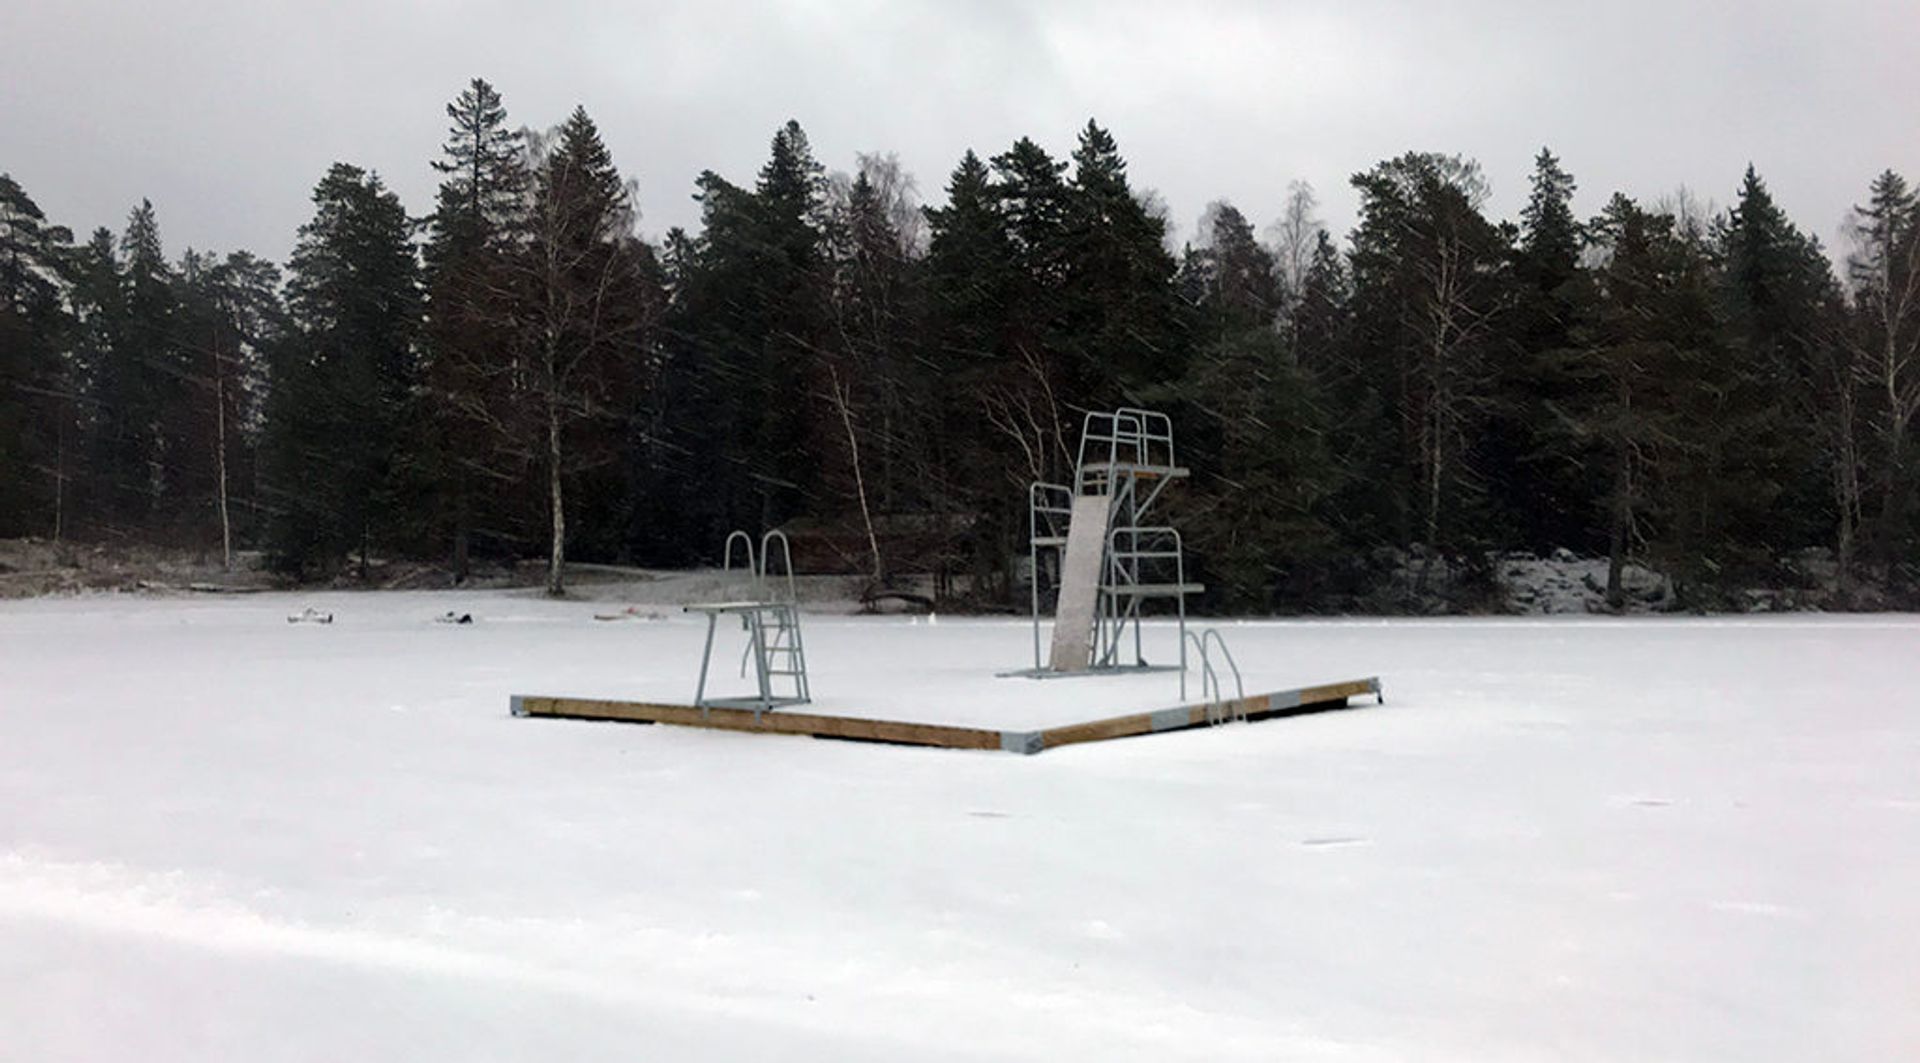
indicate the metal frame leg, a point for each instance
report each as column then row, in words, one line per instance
column 706, row 657
column 760, row 667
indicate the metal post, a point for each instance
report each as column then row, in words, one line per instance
column 1033, row 560
column 1180, row 601
column 759, row 664
column 706, row 656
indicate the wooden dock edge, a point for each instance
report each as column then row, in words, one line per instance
column 899, row 732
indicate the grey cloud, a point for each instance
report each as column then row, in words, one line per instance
column 226, row 113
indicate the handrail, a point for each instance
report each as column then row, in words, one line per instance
column 1210, row 677
column 1239, row 687
column 786, row 554
column 1209, row 680
column 1145, row 419
column 726, row 559
column 1037, row 499
column 764, row 599
column 1037, row 504
column 1127, row 427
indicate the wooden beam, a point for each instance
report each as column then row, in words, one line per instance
column 1254, row 707
column 947, row 736
column 776, row 721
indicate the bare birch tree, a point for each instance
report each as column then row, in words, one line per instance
column 585, row 311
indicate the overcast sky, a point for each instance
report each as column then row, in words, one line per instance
column 225, row 114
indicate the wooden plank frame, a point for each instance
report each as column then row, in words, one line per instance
column 1266, row 706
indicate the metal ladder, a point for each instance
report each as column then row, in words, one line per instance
column 772, row 623
column 1218, row 710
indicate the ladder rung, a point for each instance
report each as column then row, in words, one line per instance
column 1152, row 590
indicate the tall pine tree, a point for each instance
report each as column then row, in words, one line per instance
column 39, row 381
column 478, row 225
column 344, row 384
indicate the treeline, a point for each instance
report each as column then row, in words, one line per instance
column 518, row 373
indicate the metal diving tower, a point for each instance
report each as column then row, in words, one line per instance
column 1108, row 556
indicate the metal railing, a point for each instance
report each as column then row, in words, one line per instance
column 1138, row 563
column 757, row 565
column 1049, row 508
column 772, row 624
column 1127, row 456
column 1218, row 711
column 1126, row 438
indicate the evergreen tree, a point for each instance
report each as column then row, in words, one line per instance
column 38, row 380
column 1318, row 319
column 1537, row 485
column 343, row 385
column 1637, row 341
column 1550, row 238
column 1778, row 296
column 973, row 278
column 136, row 384
column 751, row 317
column 1037, row 371
column 969, row 261
column 481, row 203
column 478, row 225
column 1258, row 430
column 98, row 303
column 1430, row 290
column 1122, row 321
column 789, row 203
column 1236, row 278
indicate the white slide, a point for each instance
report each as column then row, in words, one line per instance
column 1080, row 568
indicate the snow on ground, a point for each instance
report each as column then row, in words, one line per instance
column 223, row 836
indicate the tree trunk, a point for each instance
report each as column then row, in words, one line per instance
column 60, row 476
column 220, row 462
column 557, row 555
column 1622, row 509
column 859, row 480
column 1622, row 518
column 460, row 537
column 1846, row 483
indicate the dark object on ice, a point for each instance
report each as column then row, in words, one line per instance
column 457, row 618
column 310, row 615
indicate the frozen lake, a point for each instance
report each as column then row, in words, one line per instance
column 227, row 836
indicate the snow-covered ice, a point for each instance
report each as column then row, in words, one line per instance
column 223, row 836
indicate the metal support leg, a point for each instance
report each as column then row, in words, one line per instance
column 706, row 657
column 760, row 667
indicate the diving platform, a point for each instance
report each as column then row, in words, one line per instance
column 1091, row 546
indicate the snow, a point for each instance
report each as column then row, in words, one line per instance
column 1563, row 583
column 227, row 836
